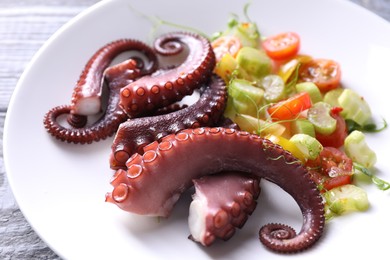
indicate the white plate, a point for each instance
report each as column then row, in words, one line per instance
column 60, row 187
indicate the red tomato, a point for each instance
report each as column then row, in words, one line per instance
column 335, row 162
column 337, row 181
column 226, row 44
column 290, row 108
column 326, row 74
column 331, row 169
column 282, row 46
column 335, row 139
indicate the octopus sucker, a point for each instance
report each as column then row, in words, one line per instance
column 135, row 133
column 90, row 87
column 218, row 207
column 174, row 83
column 214, row 150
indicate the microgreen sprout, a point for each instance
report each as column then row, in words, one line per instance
column 381, row 184
column 371, row 127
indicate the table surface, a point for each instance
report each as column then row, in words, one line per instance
column 24, row 26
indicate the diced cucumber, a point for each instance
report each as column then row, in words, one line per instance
column 258, row 126
column 356, row 148
column 255, row 62
column 311, row 88
column 245, row 98
column 308, row 145
column 346, row 198
column 331, row 97
column 319, row 116
column 248, row 33
column 274, row 88
column 302, row 126
column 238, row 107
column 243, row 91
column 354, row 107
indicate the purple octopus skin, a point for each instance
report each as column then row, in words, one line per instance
column 154, row 181
column 136, row 133
column 104, row 127
column 117, row 76
column 167, row 86
column 87, row 94
column 221, row 203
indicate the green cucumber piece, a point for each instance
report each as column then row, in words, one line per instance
column 319, row 116
column 248, row 33
column 303, row 126
column 240, row 107
column 356, row 148
column 258, row 126
column 242, row 90
column 346, row 198
column 354, row 107
column 312, row 89
column 331, row 97
column 274, row 88
column 255, row 62
column 308, row 145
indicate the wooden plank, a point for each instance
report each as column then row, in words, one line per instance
column 22, row 32
column 24, row 27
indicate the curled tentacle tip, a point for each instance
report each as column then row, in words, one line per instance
column 277, row 237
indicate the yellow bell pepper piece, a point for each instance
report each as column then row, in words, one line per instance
column 288, row 146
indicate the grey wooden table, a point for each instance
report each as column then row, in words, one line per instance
column 24, row 26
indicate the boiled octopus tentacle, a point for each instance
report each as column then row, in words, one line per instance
column 87, row 94
column 221, row 203
column 117, row 76
column 166, row 86
column 104, row 127
column 136, row 133
column 154, row 181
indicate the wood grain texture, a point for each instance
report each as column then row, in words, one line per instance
column 24, row 26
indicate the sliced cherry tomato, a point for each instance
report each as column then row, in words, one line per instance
column 335, row 139
column 331, row 169
column 226, row 44
column 282, row 46
column 326, row 74
column 335, row 162
column 337, row 181
column 290, row 108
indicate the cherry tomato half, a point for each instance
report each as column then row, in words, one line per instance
column 326, row 74
column 335, row 139
column 226, row 44
column 331, row 169
column 337, row 181
column 290, row 108
column 282, row 46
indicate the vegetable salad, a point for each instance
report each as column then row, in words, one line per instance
column 298, row 102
